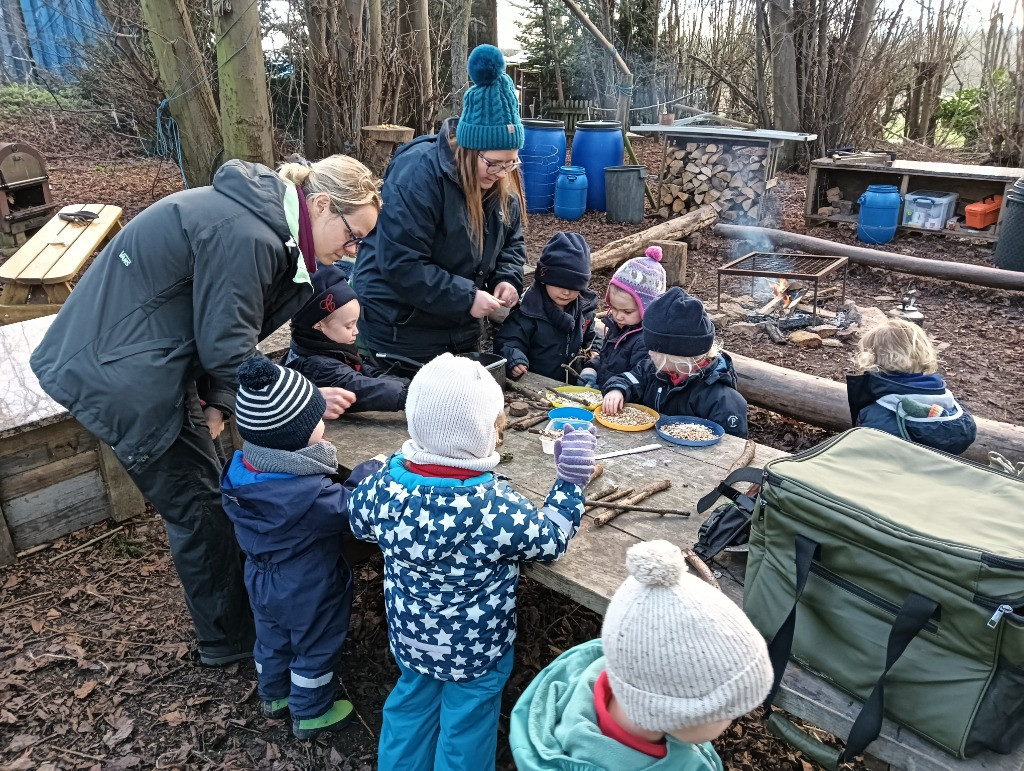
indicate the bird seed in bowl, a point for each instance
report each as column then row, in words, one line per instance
column 691, row 432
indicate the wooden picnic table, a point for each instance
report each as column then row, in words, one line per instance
column 595, row 564
column 51, row 259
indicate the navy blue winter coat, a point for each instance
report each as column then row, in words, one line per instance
column 540, row 335
column 418, row 272
column 621, row 350
column 710, row 393
column 341, row 368
column 877, row 401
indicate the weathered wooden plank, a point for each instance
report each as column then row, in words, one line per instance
column 49, row 232
column 41, row 477
column 8, row 554
column 45, row 515
column 123, row 497
column 44, row 445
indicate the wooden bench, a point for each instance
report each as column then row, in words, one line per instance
column 594, row 565
column 51, row 259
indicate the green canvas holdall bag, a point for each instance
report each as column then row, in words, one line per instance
column 897, row 573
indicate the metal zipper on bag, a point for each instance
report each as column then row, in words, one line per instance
column 879, row 602
column 1001, row 611
column 1001, row 606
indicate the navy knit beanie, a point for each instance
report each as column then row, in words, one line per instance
column 276, row 407
column 490, row 107
column 677, row 324
column 565, row 262
column 331, row 291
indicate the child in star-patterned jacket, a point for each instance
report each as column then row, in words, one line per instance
column 453, row 535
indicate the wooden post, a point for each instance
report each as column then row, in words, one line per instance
column 673, row 260
column 8, row 555
column 125, row 499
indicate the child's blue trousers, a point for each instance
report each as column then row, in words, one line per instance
column 442, row 726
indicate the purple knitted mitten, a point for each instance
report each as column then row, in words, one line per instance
column 574, row 455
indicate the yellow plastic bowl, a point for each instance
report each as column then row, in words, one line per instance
column 570, row 389
column 604, row 421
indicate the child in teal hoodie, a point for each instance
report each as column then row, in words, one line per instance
column 677, row 662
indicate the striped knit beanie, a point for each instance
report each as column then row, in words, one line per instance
column 678, row 652
column 276, row 407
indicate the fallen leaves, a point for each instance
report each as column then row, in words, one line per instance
column 86, row 689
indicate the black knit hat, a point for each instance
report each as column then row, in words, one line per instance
column 330, row 291
column 276, row 407
column 677, row 324
column 565, row 262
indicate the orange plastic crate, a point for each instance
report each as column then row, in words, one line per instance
column 983, row 213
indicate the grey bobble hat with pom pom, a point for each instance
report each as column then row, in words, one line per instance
column 678, row 652
column 490, row 107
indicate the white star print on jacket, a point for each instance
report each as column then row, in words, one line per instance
column 451, row 561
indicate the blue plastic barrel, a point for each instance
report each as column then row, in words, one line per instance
column 571, row 192
column 543, row 154
column 879, row 214
column 596, row 145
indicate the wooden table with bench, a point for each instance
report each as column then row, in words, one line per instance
column 594, row 565
column 51, row 259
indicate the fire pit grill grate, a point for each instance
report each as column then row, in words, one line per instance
column 803, row 267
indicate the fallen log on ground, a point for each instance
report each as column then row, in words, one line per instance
column 822, row 402
column 623, row 248
column 979, row 275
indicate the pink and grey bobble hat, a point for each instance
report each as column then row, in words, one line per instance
column 641, row 277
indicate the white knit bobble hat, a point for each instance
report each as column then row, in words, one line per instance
column 678, row 652
column 451, row 408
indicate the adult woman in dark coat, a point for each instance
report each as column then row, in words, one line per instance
column 162, row 319
column 449, row 248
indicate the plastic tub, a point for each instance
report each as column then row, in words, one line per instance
column 596, row 145
column 624, row 193
column 879, row 214
column 928, row 209
column 571, row 192
column 571, row 413
column 543, row 154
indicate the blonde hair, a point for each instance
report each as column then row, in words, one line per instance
column 897, row 346
column 663, row 361
column 500, row 423
column 347, row 182
column 508, row 186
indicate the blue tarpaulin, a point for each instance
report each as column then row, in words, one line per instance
column 56, row 31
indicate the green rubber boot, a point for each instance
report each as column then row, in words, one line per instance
column 275, row 709
column 336, row 718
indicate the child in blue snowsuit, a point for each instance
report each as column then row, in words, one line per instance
column 635, row 285
column 289, row 512
column 453, row 535
column 554, row 321
column 323, row 345
column 900, row 391
column 684, row 372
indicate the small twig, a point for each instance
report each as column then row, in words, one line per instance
column 123, row 642
column 33, row 550
column 700, row 567
column 524, row 423
column 349, row 698
column 745, row 457
column 605, row 491
column 621, row 507
column 23, row 600
column 97, row 758
column 615, row 496
column 598, row 471
column 533, row 393
column 85, row 545
column 647, row 492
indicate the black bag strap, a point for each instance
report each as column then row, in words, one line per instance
column 746, row 474
column 912, row 617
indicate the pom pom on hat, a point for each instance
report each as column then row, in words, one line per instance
column 654, row 252
column 486, row 63
column 256, row 373
column 656, row 563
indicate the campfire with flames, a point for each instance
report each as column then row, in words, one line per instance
column 786, row 295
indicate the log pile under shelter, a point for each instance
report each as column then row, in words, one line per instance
column 730, row 176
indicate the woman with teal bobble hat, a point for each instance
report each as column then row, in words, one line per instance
column 448, row 249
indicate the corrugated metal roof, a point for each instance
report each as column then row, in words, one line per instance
column 56, row 30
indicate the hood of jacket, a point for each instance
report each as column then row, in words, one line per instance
column 868, row 387
column 554, row 725
column 261, row 191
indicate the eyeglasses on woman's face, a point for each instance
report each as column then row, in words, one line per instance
column 494, row 168
column 354, row 240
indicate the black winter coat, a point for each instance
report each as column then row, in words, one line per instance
column 375, row 392
column 531, row 334
column 710, row 394
column 418, row 272
column 188, row 287
column 621, row 350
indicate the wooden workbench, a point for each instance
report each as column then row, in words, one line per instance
column 595, row 563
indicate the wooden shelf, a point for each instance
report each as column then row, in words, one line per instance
column 851, row 219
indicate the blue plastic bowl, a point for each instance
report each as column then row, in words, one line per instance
column 669, row 419
column 574, row 413
column 577, row 425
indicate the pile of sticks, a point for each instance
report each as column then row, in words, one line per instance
column 610, row 502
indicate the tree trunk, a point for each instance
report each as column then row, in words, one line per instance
column 185, row 80
column 16, row 62
column 375, row 35
column 461, row 17
column 484, row 26
column 245, row 125
column 552, row 49
column 419, row 19
column 786, row 110
column 822, row 402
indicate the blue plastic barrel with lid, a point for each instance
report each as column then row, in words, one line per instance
column 571, row 192
column 596, row 145
column 543, row 154
column 879, row 214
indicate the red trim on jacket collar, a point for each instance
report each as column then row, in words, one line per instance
column 611, row 729
column 251, row 467
column 436, row 471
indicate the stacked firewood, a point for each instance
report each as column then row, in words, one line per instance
column 729, row 177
